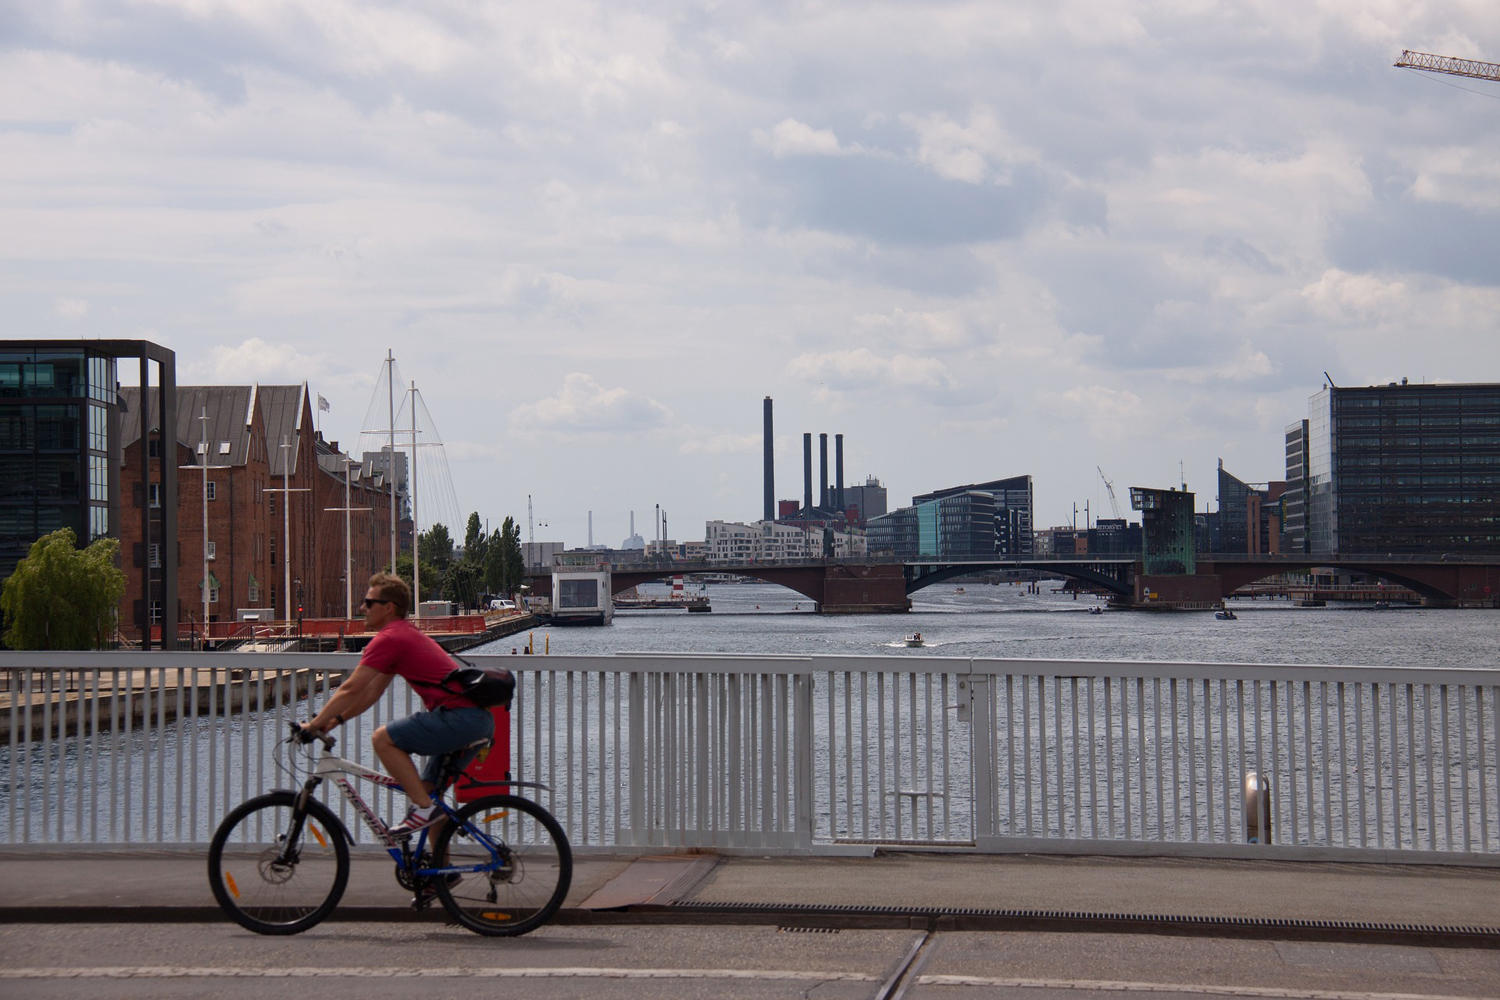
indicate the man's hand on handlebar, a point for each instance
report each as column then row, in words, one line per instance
column 304, row 733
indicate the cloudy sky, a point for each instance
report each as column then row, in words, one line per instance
column 978, row 239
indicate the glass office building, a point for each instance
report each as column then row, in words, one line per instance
column 60, row 436
column 57, row 406
column 1404, row 468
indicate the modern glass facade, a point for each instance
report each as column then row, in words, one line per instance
column 1294, row 501
column 927, row 529
column 1168, row 529
column 1321, row 501
column 1012, row 498
column 894, row 534
column 1405, row 469
column 57, row 405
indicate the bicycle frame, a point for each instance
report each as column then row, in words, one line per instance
column 400, row 850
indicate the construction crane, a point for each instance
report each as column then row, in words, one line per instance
column 1472, row 68
column 1113, row 505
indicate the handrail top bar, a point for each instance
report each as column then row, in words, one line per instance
column 770, row 663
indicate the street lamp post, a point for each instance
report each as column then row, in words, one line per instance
column 203, row 464
column 349, row 463
column 286, row 521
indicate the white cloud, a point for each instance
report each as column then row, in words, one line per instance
column 1108, row 414
column 74, row 309
column 1348, row 298
column 583, row 406
column 1039, row 223
column 253, row 360
column 860, row 369
column 794, row 138
column 722, row 444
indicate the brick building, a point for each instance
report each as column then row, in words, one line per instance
column 256, row 440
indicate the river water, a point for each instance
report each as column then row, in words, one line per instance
column 1005, row 621
column 39, row 784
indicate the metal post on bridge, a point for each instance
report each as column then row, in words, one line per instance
column 1257, row 809
column 976, row 707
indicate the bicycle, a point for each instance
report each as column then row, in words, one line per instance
column 500, row 865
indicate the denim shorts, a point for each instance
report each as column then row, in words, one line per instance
column 441, row 731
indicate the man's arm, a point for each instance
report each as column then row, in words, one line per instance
column 363, row 689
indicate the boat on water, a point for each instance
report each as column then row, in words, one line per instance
column 915, row 639
column 1096, row 611
column 1226, row 616
column 958, row 590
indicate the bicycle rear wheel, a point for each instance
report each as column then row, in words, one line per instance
column 528, row 866
column 272, row 878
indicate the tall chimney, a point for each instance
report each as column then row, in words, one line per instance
column 823, row 470
column 807, row 472
column 770, row 470
column 591, row 529
column 838, row 471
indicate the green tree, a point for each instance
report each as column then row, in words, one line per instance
column 510, row 556
column 432, row 577
column 60, row 597
column 437, row 547
column 494, row 565
column 475, row 540
column 463, row 580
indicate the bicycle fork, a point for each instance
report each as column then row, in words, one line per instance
column 288, row 855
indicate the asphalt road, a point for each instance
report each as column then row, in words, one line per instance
column 678, row 962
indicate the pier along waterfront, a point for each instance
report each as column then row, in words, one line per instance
column 816, row 754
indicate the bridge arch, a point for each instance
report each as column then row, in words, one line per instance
column 807, row 581
column 919, row 577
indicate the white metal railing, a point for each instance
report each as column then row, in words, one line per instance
column 785, row 753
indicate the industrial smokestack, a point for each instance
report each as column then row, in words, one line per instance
column 807, row 472
column 823, row 470
column 591, row 529
column 838, row 471
column 770, row 470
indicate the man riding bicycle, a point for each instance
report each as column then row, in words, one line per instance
column 450, row 721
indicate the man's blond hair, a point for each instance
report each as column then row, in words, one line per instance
column 392, row 588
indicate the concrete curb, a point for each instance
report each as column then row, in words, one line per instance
column 851, row 917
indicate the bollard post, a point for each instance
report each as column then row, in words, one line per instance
column 1257, row 809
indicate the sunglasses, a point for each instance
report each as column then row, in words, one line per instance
column 369, row 601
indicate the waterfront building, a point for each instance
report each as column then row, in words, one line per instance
column 894, row 535
column 1013, row 504
column 865, row 502
column 1403, row 468
column 1249, row 518
column 778, row 542
column 251, row 548
column 540, row 555
column 60, row 441
column 1114, row 537
column 1294, row 500
column 1168, row 530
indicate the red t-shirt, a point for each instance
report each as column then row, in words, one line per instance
column 406, row 651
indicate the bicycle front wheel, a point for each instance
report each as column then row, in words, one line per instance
column 527, row 866
column 274, row 874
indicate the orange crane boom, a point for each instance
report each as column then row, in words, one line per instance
column 1449, row 64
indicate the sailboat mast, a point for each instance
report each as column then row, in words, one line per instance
column 390, row 381
column 416, row 534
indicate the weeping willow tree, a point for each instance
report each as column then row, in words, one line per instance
column 63, row 597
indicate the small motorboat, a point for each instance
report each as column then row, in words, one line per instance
column 1096, row 611
column 958, row 590
column 1225, row 616
column 915, row 639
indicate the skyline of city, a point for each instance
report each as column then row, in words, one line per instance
column 977, row 240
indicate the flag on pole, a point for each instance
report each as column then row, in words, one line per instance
column 323, row 405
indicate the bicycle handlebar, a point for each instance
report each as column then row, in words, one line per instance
column 306, row 736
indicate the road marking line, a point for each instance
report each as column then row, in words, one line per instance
column 184, row 972
column 1226, row 991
